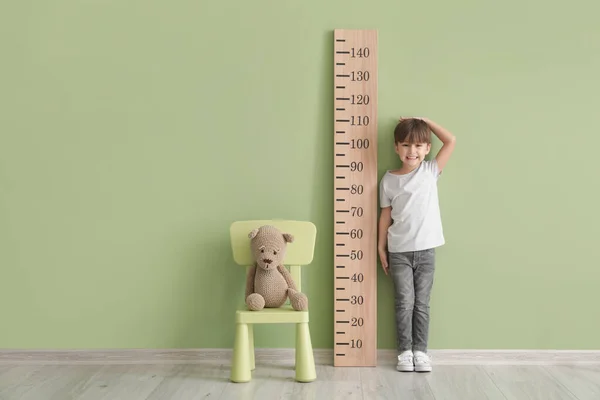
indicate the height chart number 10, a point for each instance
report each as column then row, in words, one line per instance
column 355, row 197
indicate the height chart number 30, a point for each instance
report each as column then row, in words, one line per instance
column 355, row 197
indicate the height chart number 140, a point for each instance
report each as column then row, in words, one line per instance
column 355, row 197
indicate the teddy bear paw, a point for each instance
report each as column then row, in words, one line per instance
column 255, row 302
column 299, row 301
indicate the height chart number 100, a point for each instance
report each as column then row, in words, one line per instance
column 355, row 197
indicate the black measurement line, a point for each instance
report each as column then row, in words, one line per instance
column 343, row 344
column 342, row 300
column 340, row 289
column 340, row 109
column 340, row 40
column 343, row 76
column 340, row 154
column 342, row 233
column 340, row 244
column 340, row 222
column 342, row 120
column 340, row 266
column 343, row 166
column 342, row 277
column 343, row 211
column 340, row 87
column 340, row 131
column 342, row 98
column 340, row 310
column 340, row 177
column 340, row 63
column 343, row 322
column 343, row 255
column 342, row 52
column 342, row 188
column 340, row 199
column 340, row 354
column 340, row 333
column 343, row 143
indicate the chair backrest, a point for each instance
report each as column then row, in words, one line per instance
column 298, row 253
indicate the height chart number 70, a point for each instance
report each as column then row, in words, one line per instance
column 355, row 197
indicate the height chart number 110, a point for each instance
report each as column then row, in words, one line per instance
column 355, row 197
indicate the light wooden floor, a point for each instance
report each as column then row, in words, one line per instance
column 210, row 381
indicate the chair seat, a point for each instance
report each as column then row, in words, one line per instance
column 282, row 315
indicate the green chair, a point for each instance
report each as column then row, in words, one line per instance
column 298, row 253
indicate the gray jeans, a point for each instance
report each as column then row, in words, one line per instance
column 412, row 274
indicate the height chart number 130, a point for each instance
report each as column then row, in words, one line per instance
column 355, row 197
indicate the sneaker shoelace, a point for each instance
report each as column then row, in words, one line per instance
column 422, row 358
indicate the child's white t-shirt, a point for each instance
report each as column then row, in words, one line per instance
column 416, row 220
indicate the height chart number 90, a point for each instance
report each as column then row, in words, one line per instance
column 355, row 197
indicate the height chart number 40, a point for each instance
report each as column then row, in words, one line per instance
column 355, row 197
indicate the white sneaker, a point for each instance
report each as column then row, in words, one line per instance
column 405, row 361
column 422, row 362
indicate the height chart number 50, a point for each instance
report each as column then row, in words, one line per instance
column 355, row 197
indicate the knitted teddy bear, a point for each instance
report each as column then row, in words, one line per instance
column 268, row 282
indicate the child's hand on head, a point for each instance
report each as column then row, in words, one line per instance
column 406, row 118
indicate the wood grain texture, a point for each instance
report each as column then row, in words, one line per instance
column 453, row 382
column 386, row 383
column 527, row 382
column 332, row 383
column 581, row 380
column 13, row 378
column 209, row 380
column 57, row 382
column 131, row 382
column 322, row 356
column 355, row 197
column 192, row 382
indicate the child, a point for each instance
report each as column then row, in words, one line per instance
column 410, row 229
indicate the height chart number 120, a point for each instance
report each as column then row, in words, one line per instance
column 355, row 197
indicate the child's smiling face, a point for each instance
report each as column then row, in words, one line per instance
column 412, row 154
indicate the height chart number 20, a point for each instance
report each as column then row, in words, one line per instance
column 355, row 197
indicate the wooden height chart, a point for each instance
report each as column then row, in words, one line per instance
column 355, row 197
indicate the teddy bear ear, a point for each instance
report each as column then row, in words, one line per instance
column 253, row 233
column 288, row 237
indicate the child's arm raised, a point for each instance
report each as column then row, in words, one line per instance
column 448, row 140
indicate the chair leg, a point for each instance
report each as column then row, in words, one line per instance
column 251, row 345
column 305, row 362
column 240, row 364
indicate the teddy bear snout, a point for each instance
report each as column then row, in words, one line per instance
column 267, row 260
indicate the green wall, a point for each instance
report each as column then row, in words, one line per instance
column 133, row 133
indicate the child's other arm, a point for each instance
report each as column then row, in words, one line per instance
column 385, row 220
column 448, row 140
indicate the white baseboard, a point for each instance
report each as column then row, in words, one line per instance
column 286, row 356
